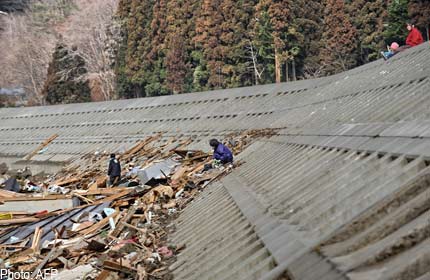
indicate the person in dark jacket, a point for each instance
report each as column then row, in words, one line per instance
column 114, row 170
column 221, row 152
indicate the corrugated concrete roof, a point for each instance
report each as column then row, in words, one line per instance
column 342, row 193
column 348, row 98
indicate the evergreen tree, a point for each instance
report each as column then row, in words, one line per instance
column 234, row 37
column 207, row 39
column 397, row 17
column 135, row 64
column 65, row 82
column 368, row 19
column 221, row 36
column 261, row 42
column 194, row 45
column 275, row 20
column 280, row 15
column 339, row 39
column 154, row 67
column 180, row 27
column 176, row 67
column 309, row 24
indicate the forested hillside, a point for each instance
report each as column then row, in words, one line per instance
column 138, row 48
column 188, row 45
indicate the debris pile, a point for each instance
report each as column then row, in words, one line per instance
column 75, row 225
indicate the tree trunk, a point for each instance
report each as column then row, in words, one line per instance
column 277, row 67
column 293, row 66
column 287, row 72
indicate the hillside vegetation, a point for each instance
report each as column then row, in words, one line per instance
column 138, row 48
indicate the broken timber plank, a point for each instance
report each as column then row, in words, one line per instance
column 67, row 181
column 18, row 221
column 55, row 253
column 127, row 217
column 115, row 196
column 87, row 200
column 67, row 264
column 113, row 266
column 35, row 246
column 43, row 145
column 187, row 160
column 133, row 227
column 98, row 225
column 136, row 148
column 109, row 191
column 103, row 275
column 9, row 194
column 21, row 257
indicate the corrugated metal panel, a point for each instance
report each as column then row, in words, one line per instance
column 221, row 243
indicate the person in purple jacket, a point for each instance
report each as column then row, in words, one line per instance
column 221, row 152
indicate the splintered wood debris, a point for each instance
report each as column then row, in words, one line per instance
column 112, row 232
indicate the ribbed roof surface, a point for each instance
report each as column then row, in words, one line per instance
column 342, row 193
column 377, row 89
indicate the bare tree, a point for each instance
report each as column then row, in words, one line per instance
column 25, row 52
column 93, row 31
column 255, row 65
column 26, row 44
column 27, row 41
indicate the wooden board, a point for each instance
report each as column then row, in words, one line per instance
column 43, row 145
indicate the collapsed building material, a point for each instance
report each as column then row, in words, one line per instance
column 156, row 171
column 121, row 231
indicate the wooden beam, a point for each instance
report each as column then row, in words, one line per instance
column 35, row 245
column 67, row 264
column 133, row 227
column 115, row 196
column 55, row 253
column 21, row 257
column 67, row 181
column 87, row 200
column 127, row 217
column 113, row 266
column 43, row 145
column 17, row 221
column 104, row 191
column 103, row 275
column 98, row 225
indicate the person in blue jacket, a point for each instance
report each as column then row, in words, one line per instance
column 114, row 170
column 221, row 152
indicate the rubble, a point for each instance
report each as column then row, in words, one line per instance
column 87, row 230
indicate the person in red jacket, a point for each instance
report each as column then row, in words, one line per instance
column 414, row 39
